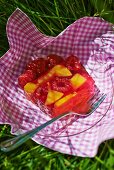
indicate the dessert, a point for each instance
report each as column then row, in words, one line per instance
column 58, row 85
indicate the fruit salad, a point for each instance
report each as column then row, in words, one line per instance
column 58, row 85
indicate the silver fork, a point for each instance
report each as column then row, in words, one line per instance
column 11, row 144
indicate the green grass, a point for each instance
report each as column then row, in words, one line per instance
column 51, row 17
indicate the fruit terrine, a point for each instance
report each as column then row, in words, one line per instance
column 58, row 85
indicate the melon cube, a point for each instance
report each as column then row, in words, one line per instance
column 77, row 80
column 53, row 96
column 61, row 70
column 30, row 87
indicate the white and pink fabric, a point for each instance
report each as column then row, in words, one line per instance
column 89, row 38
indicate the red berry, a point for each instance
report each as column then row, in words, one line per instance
column 38, row 66
column 41, row 93
column 22, row 80
column 53, row 60
column 61, row 84
column 32, row 66
column 73, row 63
column 31, row 74
column 26, row 77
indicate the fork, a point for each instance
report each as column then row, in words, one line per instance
column 13, row 143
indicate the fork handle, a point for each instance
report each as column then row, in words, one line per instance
column 11, row 144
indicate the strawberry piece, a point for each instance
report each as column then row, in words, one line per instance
column 31, row 74
column 53, row 60
column 41, row 93
column 23, row 80
column 26, row 77
column 73, row 63
column 38, row 66
column 61, row 84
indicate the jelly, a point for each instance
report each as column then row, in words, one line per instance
column 58, row 85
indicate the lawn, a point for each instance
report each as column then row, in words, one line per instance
column 51, row 17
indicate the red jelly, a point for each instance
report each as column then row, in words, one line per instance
column 65, row 86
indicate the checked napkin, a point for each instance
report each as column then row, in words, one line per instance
column 89, row 38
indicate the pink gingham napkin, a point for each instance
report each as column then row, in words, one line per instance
column 89, row 38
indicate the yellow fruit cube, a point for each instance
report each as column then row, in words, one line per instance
column 64, row 99
column 77, row 80
column 60, row 70
column 53, row 96
column 30, row 87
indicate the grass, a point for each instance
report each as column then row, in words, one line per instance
column 51, row 17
